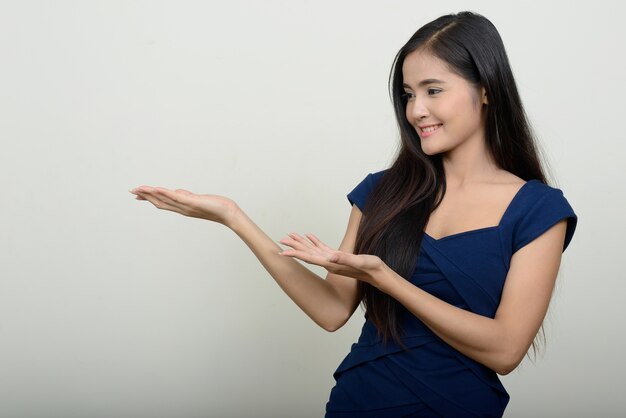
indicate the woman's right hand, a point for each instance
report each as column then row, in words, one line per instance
column 211, row 207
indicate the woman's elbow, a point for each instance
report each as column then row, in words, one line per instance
column 335, row 322
column 505, row 369
column 508, row 361
column 332, row 328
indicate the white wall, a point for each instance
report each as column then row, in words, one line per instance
column 110, row 308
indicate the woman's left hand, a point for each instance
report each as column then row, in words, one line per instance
column 367, row 268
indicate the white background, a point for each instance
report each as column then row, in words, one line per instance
column 111, row 308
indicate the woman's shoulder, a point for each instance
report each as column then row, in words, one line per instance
column 507, row 181
column 371, row 179
column 377, row 175
column 358, row 196
column 529, row 191
column 536, row 207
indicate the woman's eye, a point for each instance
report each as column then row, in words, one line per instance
column 407, row 96
column 432, row 91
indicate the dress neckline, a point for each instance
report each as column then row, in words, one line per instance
column 485, row 228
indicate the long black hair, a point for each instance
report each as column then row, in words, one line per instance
column 398, row 209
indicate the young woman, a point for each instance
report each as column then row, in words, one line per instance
column 454, row 250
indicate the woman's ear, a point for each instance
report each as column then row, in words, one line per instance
column 483, row 96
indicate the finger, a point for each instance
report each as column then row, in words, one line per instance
column 150, row 190
column 294, row 244
column 162, row 191
column 142, row 189
column 172, row 195
column 157, row 194
column 318, row 243
column 169, row 197
column 301, row 240
column 160, row 204
column 184, row 192
column 288, row 241
column 307, row 257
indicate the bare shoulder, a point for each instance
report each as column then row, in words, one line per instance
column 506, row 182
column 499, row 191
column 506, row 177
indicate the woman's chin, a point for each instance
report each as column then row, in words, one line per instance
column 430, row 151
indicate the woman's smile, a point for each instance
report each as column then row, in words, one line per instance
column 428, row 130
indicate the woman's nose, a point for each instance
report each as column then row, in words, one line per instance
column 417, row 110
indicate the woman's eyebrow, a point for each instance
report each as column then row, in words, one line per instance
column 425, row 82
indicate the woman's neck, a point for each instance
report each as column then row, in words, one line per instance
column 469, row 163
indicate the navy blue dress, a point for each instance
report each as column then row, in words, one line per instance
column 467, row 270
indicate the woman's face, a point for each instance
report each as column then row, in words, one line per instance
column 445, row 110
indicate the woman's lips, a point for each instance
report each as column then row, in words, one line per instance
column 427, row 131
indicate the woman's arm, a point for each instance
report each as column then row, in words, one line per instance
column 329, row 303
column 499, row 343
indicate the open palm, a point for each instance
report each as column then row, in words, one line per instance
column 311, row 250
column 211, row 207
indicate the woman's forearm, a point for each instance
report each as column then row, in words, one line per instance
column 314, row 295
column 478, row 337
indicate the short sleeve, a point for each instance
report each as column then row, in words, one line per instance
column 358, row 196
column 548, row 210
